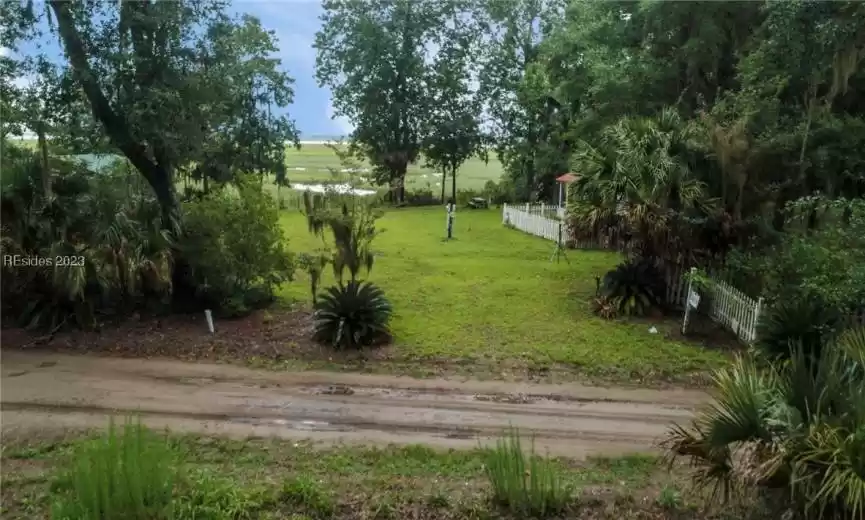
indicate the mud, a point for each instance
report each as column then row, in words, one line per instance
column 42, row 391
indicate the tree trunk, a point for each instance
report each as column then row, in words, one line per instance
column 397, row 187
column 444, row 181
column 454, row 183
column 811, row 101
column 157, row 173
column 43, row 149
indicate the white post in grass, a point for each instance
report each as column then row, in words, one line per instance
column 690, row 301
column 209, row 316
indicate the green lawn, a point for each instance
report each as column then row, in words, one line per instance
column 491, row 298
column 317, row 162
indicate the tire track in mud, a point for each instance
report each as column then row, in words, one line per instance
column 42, row 391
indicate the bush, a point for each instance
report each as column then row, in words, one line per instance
column 795, row 427
column 502, row 192
column 121, row 259
column 826, row 263
column 421, row 197
column 235, row 249
column 352, row 315
column 634, row 287
column 125, row 474
column 807, row 324
column 527, row 485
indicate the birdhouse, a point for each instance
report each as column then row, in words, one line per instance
column 564, row 181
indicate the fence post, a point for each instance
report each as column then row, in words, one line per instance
column 687, row 302
column 757, row 317
column 543, row 207
column 528, row 208
column 504, row 213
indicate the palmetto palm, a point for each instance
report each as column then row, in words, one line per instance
column 97, row 220
column 795, row 425
column 638, row 180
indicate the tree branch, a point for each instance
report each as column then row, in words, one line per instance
column 115, row 125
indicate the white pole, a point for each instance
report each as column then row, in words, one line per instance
column 209, row 316
column 687, row 302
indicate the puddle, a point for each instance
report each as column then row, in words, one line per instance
column 507, row 398
column 305, row 425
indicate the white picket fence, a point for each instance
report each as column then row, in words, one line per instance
column 729, row 307
column 533, row 220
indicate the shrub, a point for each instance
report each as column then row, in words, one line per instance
column 634, row 287
column 794, row 427
column 235, row 249
column 826, row 263
column 352, row 315
column 421, row 197
column 806, row 324
column 121, row 258
column 501, row 192
column 527, row 485
column 125, row 474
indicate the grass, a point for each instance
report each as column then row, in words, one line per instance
column 125, row 473
column 223, row 479
column 492, row 298
column 525, row 483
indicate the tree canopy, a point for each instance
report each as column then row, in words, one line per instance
column 176, row 87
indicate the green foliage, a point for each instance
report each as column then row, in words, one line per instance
column 202, row 496
column 795, row 425
column 638, row 181
column 109, row 235
column 807, row 324
column 820, row 257
column 126, row 473
column 670, row 498
column 314, row 264
column 308, row 495
column 352, row 315
column 421, row 197
column 171, row 108
column 525, row 484
column 377, row 61
column 501, row 192
column 235, row 248
column 634, row 287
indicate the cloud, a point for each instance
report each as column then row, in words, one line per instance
column 5, row 51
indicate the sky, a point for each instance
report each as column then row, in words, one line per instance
column 295, row 23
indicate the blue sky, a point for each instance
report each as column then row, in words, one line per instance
column 295, row 23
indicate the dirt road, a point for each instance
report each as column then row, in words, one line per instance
column 50, row 391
